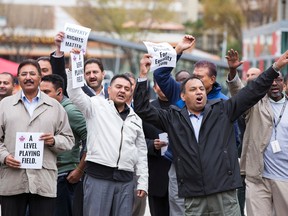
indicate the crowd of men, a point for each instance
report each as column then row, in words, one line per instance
column 102, row 152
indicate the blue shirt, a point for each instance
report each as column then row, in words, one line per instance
column 196, row 121
column 30, row 106
column 275, row 164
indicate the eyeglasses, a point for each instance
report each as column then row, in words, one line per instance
column 278, row 80
column 25, row 73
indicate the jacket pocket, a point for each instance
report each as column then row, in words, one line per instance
column 227, row 162
column 179, row 171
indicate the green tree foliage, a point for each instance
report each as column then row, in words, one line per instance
column 195, row 28
column 112, row 17
column 120, row 22
column 224, row 15
column 234, row 16
column 259, row 12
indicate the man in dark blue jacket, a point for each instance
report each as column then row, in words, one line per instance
column 203, row 140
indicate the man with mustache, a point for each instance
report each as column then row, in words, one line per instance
column 93, row 70
column 264, row 158
column 203, row 140
column 94, row 74
column 30, row 110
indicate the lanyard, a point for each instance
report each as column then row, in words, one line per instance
column 279, row 118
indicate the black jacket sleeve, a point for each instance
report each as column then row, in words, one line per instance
column 58, row 67
column 147, row 112
column 250, row 95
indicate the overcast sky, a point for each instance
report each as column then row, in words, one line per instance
column 41, row 2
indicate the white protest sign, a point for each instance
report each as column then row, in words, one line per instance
column 163, row 55
column 77, row 67
column 164, row 138
column 75, row 37
column 29, row 150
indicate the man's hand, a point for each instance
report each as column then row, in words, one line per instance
column 159, row 144
column 75, row 176
column 48, row 139
column 77, row 173
column 233, row 63
column 57, row 40
column 141, row 193
column 11, row 162
column 74, row 51
column 145, row 64
column 187, row 42
column 282, row 61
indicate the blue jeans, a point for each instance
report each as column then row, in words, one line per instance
column 65, row 196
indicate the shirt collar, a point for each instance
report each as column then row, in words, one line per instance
column 280, row 101
column 102, row 92
column 194, row 115
column 23, row 96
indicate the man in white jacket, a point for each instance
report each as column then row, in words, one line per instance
column 116, row 149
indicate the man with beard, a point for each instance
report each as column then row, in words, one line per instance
column 203, row 142
column 286, row 84
column 251, row 74
column 264, row 158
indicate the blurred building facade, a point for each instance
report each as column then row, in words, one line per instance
column 31, row 33
column 262, row 45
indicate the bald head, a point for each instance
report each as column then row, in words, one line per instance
column 253, row 73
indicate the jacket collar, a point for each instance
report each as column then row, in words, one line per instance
column 42, row 99
column 216, row 92
column 206, row 111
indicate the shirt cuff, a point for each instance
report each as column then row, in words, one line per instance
column 142, row 79
column 54, row 55
column 236, row 77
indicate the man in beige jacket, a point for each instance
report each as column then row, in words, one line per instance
column 264, row 158
column 31, row 111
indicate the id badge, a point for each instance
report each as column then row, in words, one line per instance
column 275, row 146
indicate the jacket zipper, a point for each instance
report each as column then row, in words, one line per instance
column 120, row 147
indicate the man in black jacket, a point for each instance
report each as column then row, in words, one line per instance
column 203, row 140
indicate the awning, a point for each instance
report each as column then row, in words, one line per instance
column 8, row 66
